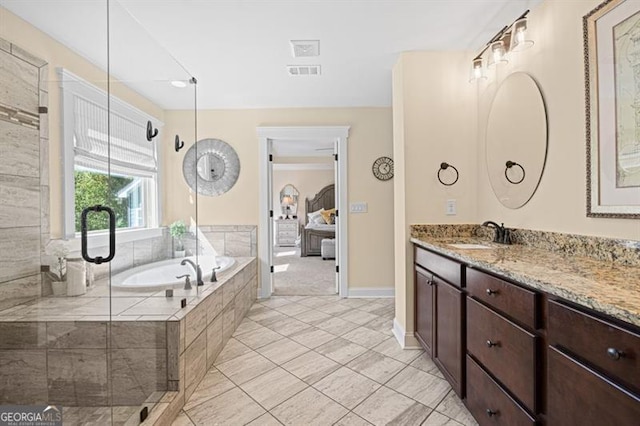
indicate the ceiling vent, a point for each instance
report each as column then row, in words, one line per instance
column 305, row 48
column 303, row 70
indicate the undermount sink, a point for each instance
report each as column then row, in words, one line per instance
column 470, row 246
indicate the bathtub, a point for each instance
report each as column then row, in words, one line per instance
column 162, row 275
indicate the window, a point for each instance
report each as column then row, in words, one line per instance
column 108, row 159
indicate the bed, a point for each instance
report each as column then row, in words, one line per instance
column 313, row 234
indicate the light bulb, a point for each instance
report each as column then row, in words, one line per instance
column 477, row 70
column 519, row 40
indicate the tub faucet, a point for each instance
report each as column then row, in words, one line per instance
column 196, row 268
column 187, row 281
column 502, row 235
column 213, row 274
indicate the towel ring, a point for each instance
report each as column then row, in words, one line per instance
column 509, row 165
column 445, row 166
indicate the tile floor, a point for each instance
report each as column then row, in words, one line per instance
column 322, row 360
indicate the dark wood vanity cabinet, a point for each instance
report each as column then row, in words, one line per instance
column 439, row 314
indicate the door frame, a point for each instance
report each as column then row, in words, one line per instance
column 266, row 136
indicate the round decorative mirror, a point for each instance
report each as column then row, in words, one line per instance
column 516, row 140
column 289, row 200
column 211, row 167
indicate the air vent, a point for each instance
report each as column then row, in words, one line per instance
column 303, row 70
column 305, row 48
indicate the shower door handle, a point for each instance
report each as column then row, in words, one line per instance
column 112, row 234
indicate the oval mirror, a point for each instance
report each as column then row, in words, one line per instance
column 516, row 140
column 211, row 167
column 289, row 200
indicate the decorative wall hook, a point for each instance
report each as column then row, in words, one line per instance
column 151, row 132
column 445, row 166
column 179, row 144
column 509, row 164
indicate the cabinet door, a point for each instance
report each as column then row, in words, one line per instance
column 424, row 309
column 448, row 342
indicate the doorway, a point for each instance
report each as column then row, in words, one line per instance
column 278, row 255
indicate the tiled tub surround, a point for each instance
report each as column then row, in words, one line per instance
column 58, row 350
column 608, row 281
column 24, row 173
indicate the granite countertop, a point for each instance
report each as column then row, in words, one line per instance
column 606, row 287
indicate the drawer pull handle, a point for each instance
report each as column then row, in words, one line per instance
column 491, row 292
column 491, row 413
column 492, row 344
column 615, row 354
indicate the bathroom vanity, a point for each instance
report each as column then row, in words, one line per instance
column 530, row 336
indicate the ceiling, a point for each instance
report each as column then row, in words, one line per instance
column 239, row 49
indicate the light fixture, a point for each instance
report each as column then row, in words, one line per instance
column 287, row 202
column 511, row 38
column 180, row 84
column 519, row 40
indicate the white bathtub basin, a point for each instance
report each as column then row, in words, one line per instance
column 162, row 275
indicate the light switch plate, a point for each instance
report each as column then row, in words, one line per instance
column 451, row 208
column 358, row 207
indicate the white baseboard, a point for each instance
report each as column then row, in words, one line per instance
column 406, row 340
column 372, row 292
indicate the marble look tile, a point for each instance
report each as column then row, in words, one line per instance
column 174, row 349
column 381, row 325
column 22, row 290
column 214, row 304
column 337, row 326
column 196, row 323
column 26, row 56
column 45, row 216
column 245, row 367
column 245, row 326
column 228, row 291
column 195, row 363
column 213, row 384
column 20, row 248
column 391, row 347
column 23, row 335
column 437, row 419
column 136, row 374
column 24, row 376
column 182, row 420
column 258, row 338
column 231, row 350
column 311, row 367
column 340, row 350
column 261, row 314
column 346, row 387
column 352, row 419
column 387, row 407
column 315, row 301
column 261, row 388
column 20, row 81
column 282, row 351
column 20, row 201
column 77, row 377
column 275, row 302
column 309, row 407
column 365, row 337
column 228, row 322
column 89, row 335
column 376, row 366
column 453, row 407
column 5, row 45
column 139, row 334
column 265, row 420
column 312, row 337
column 423, row 387
column 334, row 308
column 371, row 306
column 292, row 309
column 424, row 363
column 231, row 408
column 214, row 341
column 20, row 149
column 237, row 244
column 288, row 326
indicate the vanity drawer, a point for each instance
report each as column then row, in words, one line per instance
column 505, row 349
column 597, row 342
column 513, row 301
column 443, row 267
column 489, row 404
column 579, row 396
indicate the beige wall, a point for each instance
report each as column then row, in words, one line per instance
column 434, row 122
column 15, row 30
column 370, row 235
column 307, row 182
column 556, row 63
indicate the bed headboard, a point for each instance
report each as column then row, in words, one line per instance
column 325, row 199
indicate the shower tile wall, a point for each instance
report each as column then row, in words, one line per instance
column 232, row 240
column 24, row 177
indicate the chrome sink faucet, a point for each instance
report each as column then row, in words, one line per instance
column 196, row 269
column 502, row 235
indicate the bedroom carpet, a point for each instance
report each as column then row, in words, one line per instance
column 302, row 276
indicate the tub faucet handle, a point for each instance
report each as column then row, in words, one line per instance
column 213, row 274
column 187, row 281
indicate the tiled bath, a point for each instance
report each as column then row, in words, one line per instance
column 69, row 351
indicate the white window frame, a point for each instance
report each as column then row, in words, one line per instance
column 70, row 87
